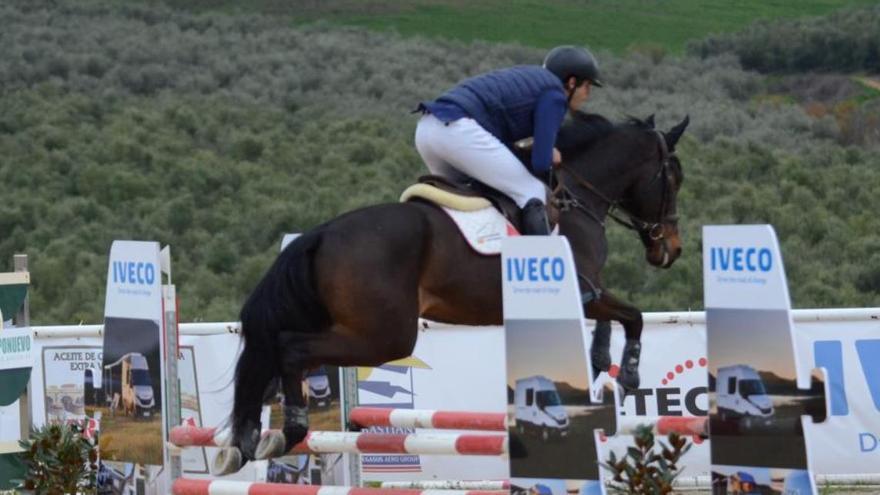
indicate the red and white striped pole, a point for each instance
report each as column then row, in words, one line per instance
column 430, row 419
column 325, row 442
column 184, row 486
column 194, row 436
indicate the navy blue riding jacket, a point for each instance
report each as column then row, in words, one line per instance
column 511, row 104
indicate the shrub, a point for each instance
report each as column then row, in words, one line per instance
column 644, row 471
column 59, row 460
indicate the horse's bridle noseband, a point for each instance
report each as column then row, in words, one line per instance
column 565, row 199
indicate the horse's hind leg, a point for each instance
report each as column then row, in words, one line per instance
column 609, row 307
column 296, row 416
column 340, row 346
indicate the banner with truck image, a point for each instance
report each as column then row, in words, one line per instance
column 759, row 393
column 555, row 413
column 132, row 367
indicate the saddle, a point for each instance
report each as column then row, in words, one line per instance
column 468, row 196
column 483, row 214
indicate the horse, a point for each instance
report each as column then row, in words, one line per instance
column 350, row 291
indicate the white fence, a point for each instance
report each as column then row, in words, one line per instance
column 670, row 337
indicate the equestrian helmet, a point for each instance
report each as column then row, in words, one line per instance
column 567, row 61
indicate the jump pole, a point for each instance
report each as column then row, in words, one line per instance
column 325, row 442
column 429, row 419
column 185, row 486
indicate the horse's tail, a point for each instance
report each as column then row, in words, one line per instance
column 285, row 300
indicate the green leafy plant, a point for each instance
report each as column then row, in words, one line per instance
column 644, row 471
column 60, row 460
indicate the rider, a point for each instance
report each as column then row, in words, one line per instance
column 469, row 130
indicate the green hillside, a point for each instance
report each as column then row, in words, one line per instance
column 615, row 25
column 217, row 133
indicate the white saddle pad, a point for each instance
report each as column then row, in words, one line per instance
column 483, row 229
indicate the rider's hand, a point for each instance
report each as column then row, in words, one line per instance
column 557, row 158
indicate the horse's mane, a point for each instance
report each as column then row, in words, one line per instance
column 585, row 129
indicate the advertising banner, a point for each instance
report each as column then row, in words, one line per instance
column 133, row 364
column 72, row 388
column 16, row 361
column 554, row 426
column 849, row 439
column 15, row 348
column 756, row 406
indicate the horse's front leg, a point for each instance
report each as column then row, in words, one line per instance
column 607, row 308
column 600, row 348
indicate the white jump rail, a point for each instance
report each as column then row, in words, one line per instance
column 660, row 318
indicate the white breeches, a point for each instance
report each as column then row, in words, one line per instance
column 464, row 148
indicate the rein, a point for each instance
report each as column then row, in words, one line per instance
column 565, row 199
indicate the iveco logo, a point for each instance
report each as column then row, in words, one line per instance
column 534, row 269
column 740, row 259
column 134, row 272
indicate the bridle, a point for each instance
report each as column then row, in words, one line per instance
column 565, row 199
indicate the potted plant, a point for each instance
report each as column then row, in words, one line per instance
column 60, row 460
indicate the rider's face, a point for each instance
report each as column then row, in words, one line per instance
column 579, row 95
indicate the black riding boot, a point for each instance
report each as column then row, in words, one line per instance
column 534, row 218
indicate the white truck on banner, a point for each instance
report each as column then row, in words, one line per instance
column 539, row 408
column 127, row 385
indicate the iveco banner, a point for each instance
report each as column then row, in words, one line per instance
column 757, row 406
column 553, row 423
column 132, row 365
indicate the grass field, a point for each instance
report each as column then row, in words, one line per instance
column 124, row 438
column 615, row 25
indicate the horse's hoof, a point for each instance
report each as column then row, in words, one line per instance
column 227, row 461
column 601, row 359
column 628, row 381
column 271, row 445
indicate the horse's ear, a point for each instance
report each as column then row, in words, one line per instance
column 675, row 133
column 650, row 121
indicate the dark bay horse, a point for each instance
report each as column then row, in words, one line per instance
column 350, row 292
